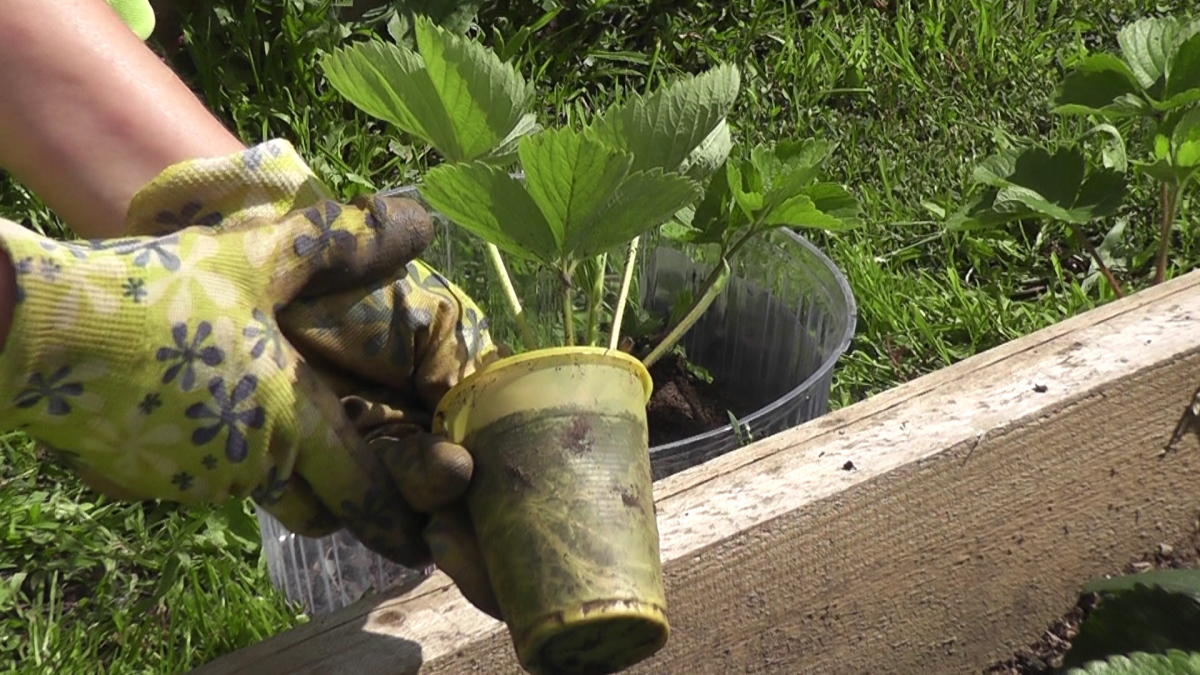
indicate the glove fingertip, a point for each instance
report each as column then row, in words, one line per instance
column 407, row 226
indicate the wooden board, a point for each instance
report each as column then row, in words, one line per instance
column 933, row 528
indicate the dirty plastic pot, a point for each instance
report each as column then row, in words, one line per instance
column 772, row 337
column 562, row 505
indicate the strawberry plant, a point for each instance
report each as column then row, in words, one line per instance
column 1149, row 92
column 1055, row 185
column 567, row 198
column 1143, row 624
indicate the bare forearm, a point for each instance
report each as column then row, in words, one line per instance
column 89, row 114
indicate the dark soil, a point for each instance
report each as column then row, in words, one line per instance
column 1046, row 654
column 684, row 405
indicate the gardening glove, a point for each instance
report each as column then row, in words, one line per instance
column 137, row 14
column 156, row 366
column 432, row 474
column 412, row 332
column 391, row 349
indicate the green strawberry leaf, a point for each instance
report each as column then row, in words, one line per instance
column 1185, row 581
column 578, row 199
column 645, row 200
column 1113, row 154
column 1176, row 149
column 994, row 169
column 383, row 81
column 746, row 186
column 665, row 128
column 787, row 168
column 1147, row 618
column 977, row 214
column 1160, row 170
column 1035, row 201
column 455, row 95
column 1147, row 46
column 1185, row 67
column 708, row 221
column 456, row 16
column 800, row 211
column 484, row 98
column 1185, row 140
column 677, row 230
column 1101, row 84
column 490, row 203
column 571, row 177
column 1162, row 145
column 710, row 154
column 506, row 150
column 1054, row 185
column 983, row 219
column 1101, row 194
column 776, row 187
column 836, row 201
column 1053, row 177
column 1174, row 662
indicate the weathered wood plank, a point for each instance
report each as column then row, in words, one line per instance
column 980, row 497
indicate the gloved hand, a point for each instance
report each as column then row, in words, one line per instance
column 390, row 349
column 157, row 367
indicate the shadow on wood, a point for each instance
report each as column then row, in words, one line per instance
column 369, row 642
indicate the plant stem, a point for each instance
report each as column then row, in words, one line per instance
column 568, row 309
column 708, row 293
column 1170, row 199
column 737, row 246
column 626, row 281
column 1104, row 270
column 510, row 294
column 711, row 291
column 595, row 296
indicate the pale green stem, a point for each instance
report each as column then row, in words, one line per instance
column 623, row 297
column 1170, row 200
column 711, row 291
column 708, row 293
column 596, row 296
column 510, row 294
column 568, row 312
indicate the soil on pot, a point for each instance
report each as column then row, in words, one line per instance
column 1046, row 654
column 683, row 404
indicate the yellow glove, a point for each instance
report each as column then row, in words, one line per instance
column 391, row 348
column 413, row 333
column 156, row 365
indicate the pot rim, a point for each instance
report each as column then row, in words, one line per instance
column 591, row 356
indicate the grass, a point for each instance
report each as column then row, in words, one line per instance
column 914, row 92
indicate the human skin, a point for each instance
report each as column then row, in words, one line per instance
column 88, row 115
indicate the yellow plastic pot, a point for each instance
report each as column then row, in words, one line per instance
column 562, row 505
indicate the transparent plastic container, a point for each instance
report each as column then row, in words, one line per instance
column 771, row 339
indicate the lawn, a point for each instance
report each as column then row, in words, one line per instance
column 914, row 93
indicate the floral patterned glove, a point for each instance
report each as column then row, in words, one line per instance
column 412, row 333
column 156, row 365
column 391, row 348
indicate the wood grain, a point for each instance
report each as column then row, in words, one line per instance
column 935, row 527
